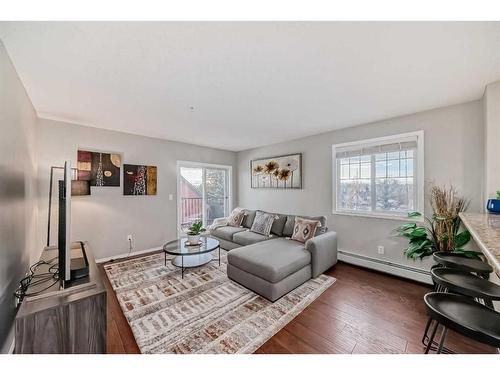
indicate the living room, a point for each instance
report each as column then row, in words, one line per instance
column 194, row 187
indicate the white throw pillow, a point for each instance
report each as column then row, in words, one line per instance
column 236, row 217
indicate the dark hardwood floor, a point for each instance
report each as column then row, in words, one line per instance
column 363, row 312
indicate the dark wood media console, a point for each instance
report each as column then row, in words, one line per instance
column 71, row 320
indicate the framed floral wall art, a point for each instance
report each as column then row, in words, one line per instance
column 280, row 172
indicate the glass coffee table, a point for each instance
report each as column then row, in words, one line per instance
column 189, row 256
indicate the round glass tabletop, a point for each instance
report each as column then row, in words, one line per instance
column 181, row 247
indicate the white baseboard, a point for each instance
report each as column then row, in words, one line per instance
column 385, row 266
column 126, row 255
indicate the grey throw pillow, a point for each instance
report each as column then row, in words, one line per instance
column 278, row 224
column 262, row 223
column 249, row 217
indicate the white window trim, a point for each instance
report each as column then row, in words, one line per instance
column 419, row 177
column 194, row 164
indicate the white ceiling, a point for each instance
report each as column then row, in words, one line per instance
column 239, row 85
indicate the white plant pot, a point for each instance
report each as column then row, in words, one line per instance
column 193, row 239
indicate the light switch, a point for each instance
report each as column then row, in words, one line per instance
column 170, row 197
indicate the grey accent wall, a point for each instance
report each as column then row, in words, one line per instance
column 17, row 191
column 453, row 154
column 107, row 216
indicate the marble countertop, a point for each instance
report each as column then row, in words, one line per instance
column 485, row 230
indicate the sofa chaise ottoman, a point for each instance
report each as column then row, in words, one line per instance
column 272, row 266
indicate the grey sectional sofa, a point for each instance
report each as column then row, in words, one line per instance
column 274, row 265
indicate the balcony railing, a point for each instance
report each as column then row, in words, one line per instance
column 192, row 209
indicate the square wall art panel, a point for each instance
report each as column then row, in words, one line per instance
column 139, row 180
column 100, row 168
column 280, row 172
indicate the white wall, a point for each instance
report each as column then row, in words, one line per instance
column 17, row 191
column 492, row 139
column 107, row 216
column 453, row 154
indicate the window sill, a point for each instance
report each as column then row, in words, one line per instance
column 379, row 216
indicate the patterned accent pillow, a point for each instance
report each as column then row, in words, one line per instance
column 262, row 223
column 236, row 217
column 304, row 229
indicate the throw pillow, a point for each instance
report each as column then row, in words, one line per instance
column 304, row 229
column 262, row 223
column 236, row 217
column 290, row 224
column 278, row 225
column 249, row 217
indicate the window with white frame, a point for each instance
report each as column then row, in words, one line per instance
column 379, row 177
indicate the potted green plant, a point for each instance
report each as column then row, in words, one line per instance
column 194, row 232
column 441, row 231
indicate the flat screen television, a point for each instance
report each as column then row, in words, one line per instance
column 72, row 263
column 64, row 232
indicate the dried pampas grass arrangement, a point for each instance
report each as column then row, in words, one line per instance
column 446, row 205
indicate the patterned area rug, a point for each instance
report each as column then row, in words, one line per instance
column 203, row 313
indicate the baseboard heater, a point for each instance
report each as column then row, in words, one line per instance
column 386, row 266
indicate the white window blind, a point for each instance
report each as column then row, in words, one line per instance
column 370, row 149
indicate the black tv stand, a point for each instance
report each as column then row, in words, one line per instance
column 79, row 261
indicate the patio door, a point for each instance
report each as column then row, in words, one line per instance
column 203, row 193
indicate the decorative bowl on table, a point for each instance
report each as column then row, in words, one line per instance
column 193, row 240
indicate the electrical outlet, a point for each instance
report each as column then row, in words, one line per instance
column 380, row 250
column 130, row 238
